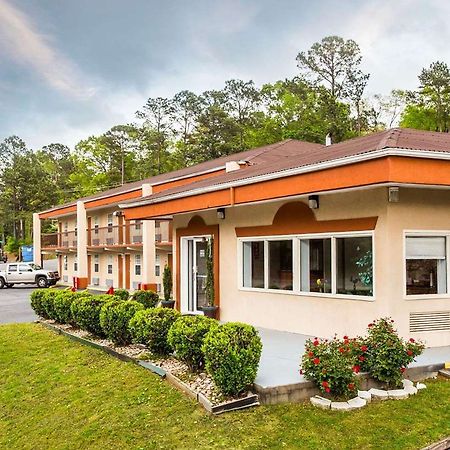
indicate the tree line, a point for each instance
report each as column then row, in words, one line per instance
column 327, row 97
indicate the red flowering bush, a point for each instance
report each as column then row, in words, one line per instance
column 388, row 355
column 331, row 365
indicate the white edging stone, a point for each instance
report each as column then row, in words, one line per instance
column 365, row 395
column 340, row 406
column 407, row 383
column 411, row 390
column 320, row 402
column 420, row 386
column 379, row 394
column 357, row 403
column 398, row 394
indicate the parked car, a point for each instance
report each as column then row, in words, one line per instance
column 27, row 273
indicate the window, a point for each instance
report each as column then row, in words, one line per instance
column 354, row 266
column 315, row 265
column 75, row 264
column 65, row 262
column 110, row 223
column 12, row 268
column 137, row 225
column 96, row 225
column 426, row 265
column 25, row 268
column 110, row 264
column 280, row 265
column 157, row 266
column 335, row 264
column 96, row 263
column 66, row 227
column 137, row 264
column 253, row 264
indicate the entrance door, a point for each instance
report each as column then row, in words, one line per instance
column 193, row 271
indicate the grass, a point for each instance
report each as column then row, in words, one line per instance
column 57, row 394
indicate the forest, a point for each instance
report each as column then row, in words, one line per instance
column 326, row 97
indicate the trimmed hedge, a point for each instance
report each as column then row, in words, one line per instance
column 123, row 294
column 114, row 320
column 151, row 326
column 48, row 303
column 86, row 312
column 147, row 298
column 37, row 302
column 186, row 338
column 61, row 305
column 232, row 352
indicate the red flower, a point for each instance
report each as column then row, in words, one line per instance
column 402, row 369
column 370, row 325
column 351, row 386
column 412, row 340
column 316, row 361
column 345, row 337
column 310, row 354
column 346, row 341
column 301, row 372
column 316, row 343
column 356, row 369
column 325, row 384
column 364, row 348
column 361, row 358
column 327, row 390
column 409, row 352
column 342, row 350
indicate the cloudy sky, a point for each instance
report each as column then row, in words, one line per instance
column 72, row 68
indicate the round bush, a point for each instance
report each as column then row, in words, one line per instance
column 123, row 294
column 115, row 318
column 186, row 337
column 232, row 352
column 86, row 312
column 150, row 327
column 48, row 303
column 37, row 302
column 147, row 298
column 61, row 304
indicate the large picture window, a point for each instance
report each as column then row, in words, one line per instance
column 426, row 265
column 336, row 264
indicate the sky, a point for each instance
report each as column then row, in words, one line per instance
column 73, row 68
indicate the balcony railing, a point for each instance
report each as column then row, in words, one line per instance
column 66, row 239
column 163, row 232
column 104, row 236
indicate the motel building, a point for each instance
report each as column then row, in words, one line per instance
column 307, row 238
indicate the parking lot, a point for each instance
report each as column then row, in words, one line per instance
column 15, row 302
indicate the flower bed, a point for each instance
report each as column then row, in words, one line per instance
column 187, row 346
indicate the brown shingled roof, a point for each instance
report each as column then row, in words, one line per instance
column 293, row 154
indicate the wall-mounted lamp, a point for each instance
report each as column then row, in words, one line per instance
column 221, row 213
column 313, row 201
column 394, row 194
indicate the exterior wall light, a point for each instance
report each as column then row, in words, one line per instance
column 313, row 201
column 394, row 194
column 221, row 213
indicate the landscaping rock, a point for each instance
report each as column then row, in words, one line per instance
column 379, row 394
column 420, row 386
column 320, row 402
column 407, row 383
column 357, row 403
column 445, row 373
column 365, row 395
column 411, row 390
column 398, row 394
column 340, row 406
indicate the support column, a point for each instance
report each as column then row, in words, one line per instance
column 148, row 247
column 82, row 272
column 37, row 252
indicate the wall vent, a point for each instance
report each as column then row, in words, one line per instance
column 429, row 321
column 95, row 281
column 109, row 283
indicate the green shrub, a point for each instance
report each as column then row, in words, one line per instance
column 167, row 282
column 61, row 304
column 147, row 298
column 332, row 365
column 86, row 312
column 388, row 355
column 123, row 294
column 37, row 302
column 232, row 352
column 186, row 337
column 48, row 303
column 150, row 327
column 115, row 318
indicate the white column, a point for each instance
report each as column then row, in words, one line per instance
column 148, row 244
column 37, row 239
column 82, row 271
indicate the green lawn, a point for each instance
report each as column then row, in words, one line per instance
column 56, row 394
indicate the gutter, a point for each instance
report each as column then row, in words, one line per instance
column 347, row 160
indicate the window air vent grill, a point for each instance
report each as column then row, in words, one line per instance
column 429, row 321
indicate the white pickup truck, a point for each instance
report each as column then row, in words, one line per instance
column 27, row 273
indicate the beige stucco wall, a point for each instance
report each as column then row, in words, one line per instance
column 322, row 316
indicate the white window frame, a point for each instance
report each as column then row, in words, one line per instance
column 138, row 264
column 65, row 263
column 427, row 233
column 296, row 264
column 96, row 263
column 110, row 263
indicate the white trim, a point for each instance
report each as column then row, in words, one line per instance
column 426, row 233
column 296, row 264
column 297, row 171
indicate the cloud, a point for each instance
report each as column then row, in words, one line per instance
column 22, row 42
